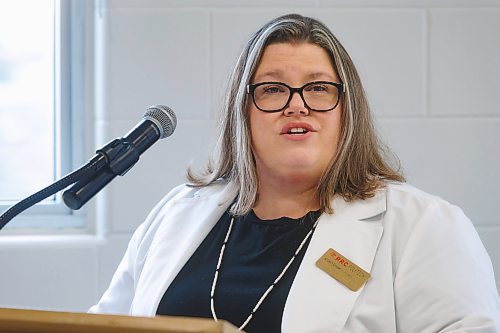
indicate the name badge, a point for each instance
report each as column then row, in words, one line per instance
column 343, row 270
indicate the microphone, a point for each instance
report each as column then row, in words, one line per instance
column 120, row 155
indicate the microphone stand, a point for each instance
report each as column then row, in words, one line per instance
column 115, row 158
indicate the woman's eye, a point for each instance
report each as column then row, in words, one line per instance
column 272, row 89
column 317, row 88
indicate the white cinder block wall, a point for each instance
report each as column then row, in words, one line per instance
column 431, row 70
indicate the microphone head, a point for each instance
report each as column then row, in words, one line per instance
column 163, row 117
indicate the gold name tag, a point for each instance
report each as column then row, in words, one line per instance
column 343, row 270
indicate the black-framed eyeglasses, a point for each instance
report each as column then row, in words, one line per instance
column 318, row 96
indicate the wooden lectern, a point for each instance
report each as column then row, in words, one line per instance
column 33, row 321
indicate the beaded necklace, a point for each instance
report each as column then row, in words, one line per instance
column 264, row 295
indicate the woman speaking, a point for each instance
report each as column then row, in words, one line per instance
column 300, row 223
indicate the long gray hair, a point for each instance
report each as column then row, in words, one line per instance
column 360, row 163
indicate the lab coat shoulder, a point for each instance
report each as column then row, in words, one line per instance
column 443, row 276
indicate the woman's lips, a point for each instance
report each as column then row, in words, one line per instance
column 297, row 131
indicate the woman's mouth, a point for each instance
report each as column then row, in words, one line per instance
column 297, row 131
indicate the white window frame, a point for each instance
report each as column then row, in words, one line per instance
column 73, row 104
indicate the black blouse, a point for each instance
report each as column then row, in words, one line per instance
column 256, row 253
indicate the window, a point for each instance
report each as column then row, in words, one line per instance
column 41, row 78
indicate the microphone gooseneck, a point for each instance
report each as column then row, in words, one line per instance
column 115, row 158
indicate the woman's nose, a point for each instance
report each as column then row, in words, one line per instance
column 296, row 106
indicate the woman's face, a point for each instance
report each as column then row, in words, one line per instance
column 280, row 155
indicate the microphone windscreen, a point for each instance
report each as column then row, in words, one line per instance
column 163, row 117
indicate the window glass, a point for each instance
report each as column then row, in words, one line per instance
column 27, row 132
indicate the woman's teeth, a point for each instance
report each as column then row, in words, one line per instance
column 297, row 130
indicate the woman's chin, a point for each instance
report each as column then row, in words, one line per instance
column 301, row 171
column 302, row 162
column 297, row 166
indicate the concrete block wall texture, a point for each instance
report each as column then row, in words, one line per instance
column 430, row 70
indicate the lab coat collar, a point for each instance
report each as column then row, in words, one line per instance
column 361, row 209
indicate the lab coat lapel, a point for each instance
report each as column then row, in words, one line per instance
column 353, row 231
column 175, row 241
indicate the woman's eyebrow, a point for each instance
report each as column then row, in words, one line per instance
column 272, row 74
column 277, row 75
column 319, row 75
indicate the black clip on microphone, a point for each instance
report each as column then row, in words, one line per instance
column 119, row 156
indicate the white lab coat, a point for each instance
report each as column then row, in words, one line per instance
column 429, row 269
